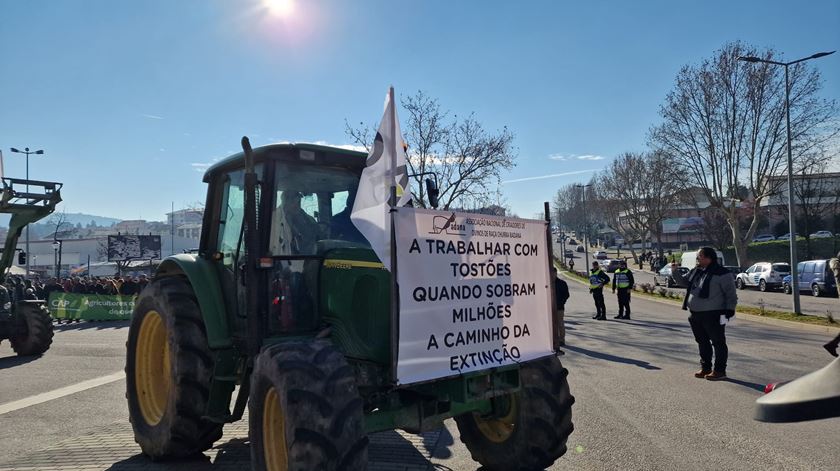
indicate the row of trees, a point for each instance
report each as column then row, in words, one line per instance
column 722, row 135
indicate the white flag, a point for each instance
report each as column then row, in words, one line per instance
column 386, row 166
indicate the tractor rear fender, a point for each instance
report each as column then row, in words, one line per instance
column 204, row 280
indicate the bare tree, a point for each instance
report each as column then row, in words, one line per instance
column 621, row 199
column 662, row 188
column 467, row 158
column 568, row 207
column 58, row 222
column 724, row 126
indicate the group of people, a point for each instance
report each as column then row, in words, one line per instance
column 710, row 299
column 654, row 261
column 127, row 285
column 622, row 284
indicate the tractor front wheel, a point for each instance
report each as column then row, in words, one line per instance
column 528, row 429
column 305, row 412
column 39, row 330
column 168, row 372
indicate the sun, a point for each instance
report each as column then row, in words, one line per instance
column 281, row 8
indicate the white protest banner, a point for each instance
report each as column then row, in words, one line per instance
column 474, row 293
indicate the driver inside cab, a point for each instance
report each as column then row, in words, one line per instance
column 303, row 227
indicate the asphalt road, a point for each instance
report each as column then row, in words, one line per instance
column 638, row 406
column 774, row 300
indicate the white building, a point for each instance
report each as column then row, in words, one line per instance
column 185, row 216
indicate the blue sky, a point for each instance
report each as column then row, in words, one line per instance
column 129, row 99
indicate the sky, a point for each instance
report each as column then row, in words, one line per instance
column 130, row 101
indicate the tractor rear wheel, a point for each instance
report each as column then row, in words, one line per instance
column 39, row 330
column 168, row 372
column 305, row 412
column 529, row 429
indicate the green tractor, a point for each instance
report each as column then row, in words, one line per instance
column 25, row 323
column 287, row 301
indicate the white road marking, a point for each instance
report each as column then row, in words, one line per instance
column 60, row 392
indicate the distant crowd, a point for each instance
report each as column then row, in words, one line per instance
column 36, row 288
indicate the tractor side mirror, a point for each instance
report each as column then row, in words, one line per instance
column 433, row 192
column 21, row 258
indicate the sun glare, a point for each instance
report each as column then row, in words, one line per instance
column 281, row 8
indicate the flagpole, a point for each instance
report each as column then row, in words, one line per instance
column 392, row 203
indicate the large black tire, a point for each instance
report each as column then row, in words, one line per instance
column 39, row 330
column 539, row 422
column 305, row 411
column 816, row 290
column 167, row 393
column 762, row 286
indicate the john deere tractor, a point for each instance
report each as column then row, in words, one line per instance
column 25, row 323
column 286, row 307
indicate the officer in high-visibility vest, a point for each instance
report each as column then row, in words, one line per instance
column 597, row 280
column 623, row 281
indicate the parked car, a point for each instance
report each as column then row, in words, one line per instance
column 821, row 235
column 786, row 236
column 572, row 242
column 764, row 238
column 600, row 255
column 814, row 276
column 612, row 265
column 764, row 275
column 663, row 277
column 569, row 253
column 580, row 249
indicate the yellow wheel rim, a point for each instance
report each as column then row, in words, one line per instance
column 499, row 429
column 152, row 368
column 274, row 433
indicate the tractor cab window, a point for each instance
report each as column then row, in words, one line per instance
column 230, row 217
column 312, row 210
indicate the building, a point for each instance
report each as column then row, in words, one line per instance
column 185, row 216
column 817, row 193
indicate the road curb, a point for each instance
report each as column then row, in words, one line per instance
column 743, row 316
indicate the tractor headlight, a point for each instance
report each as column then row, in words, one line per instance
column 7, row 306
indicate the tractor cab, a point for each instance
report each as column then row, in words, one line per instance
column 305, row 194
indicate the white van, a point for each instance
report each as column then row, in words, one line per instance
column 689, row 259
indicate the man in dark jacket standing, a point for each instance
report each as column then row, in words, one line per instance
column 561, row 294
column 623, row 281
column 597, row 280
column 711, row 299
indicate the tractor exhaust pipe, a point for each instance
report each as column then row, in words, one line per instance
column 252, row 242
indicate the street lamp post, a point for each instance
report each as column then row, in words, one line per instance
column 56, row 245
column 585, row 226
column 794, row 275
column 27, row 152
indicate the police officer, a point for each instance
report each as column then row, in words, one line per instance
column 597, row 280
column 623, row 281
